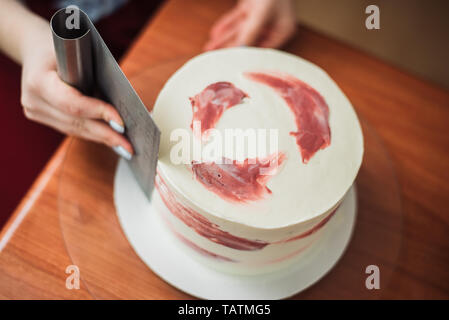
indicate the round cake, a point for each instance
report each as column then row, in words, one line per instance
column 258, row 149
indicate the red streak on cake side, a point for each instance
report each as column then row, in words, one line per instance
column 308, row 106
column 291, row 255
column 239, row 181
column 211, row 231
column 314, row 229
column 202, row 251
column 208, row 105
column 202, row 225
column 194, row 246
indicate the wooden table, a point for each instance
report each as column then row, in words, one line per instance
column 410, row 115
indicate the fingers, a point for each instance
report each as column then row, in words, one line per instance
column 61, row 96
column 264, row 23
column 276, row 37
column 281, row 28
column 241, row 26
column 77, row 126
column 249, row 32
column 257, row 17
column 223, row 40
column 100, row 132
column 227, row 21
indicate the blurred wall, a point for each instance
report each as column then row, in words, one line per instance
column 414, row 34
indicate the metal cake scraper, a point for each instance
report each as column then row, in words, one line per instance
column 85, row 62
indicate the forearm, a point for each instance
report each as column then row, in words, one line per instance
column 20, row 29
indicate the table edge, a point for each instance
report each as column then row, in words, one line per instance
column 33, row 193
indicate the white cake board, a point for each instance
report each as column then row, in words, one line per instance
column 157, row 247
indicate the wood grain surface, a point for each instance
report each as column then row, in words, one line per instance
column 410, row 116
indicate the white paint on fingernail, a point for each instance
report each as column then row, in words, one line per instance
column 122, row 152
column 114, row 125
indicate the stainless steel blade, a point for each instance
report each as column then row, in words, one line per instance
column 72, row 52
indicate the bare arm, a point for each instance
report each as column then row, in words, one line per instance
column 17, row 24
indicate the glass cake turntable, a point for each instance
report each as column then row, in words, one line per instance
column 111, row 269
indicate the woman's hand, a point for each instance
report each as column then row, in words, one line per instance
column 48, row 100
column 263, row 23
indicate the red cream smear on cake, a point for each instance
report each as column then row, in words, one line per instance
column 238, row 181
column 308, row 106
column 212, row 232
column 290, row 255
column 202, row 225
column 208, row 105
column 202, row 251
column 314, row 229
column 194, row 246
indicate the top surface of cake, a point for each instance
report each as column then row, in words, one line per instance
column 315, row 159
